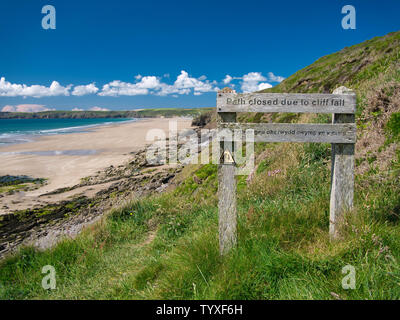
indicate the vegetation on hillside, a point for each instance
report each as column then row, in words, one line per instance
column 143, row 113
column 10, row 184
column 166, row 246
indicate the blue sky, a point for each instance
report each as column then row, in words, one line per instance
column 132, row 54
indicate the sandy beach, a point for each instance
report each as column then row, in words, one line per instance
column 65, row 159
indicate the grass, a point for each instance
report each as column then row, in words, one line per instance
column 166, row 246
column 12, row 188
column 393, row 127
column 10, row 184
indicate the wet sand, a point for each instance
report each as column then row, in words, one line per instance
column 65, row 159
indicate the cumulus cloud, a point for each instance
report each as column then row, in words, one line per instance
column 149, row 82
column 227, row 79
column 251, row 81
column 83, row 90
column 253, row 76
column 142, row 85
column 274, row 78
column 120, row 88
column 184, row 84
column 8, row 89
column 98, row 109
column 25, row 108
column 77, row 109
column 263, row 85
column 255, row 81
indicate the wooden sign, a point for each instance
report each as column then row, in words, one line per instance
column 341, row 133
column 286, row 102
column 294, row 132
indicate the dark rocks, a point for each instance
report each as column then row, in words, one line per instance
column 44, row 226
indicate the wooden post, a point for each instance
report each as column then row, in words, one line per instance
column 341, row 134
column 227, row 191
column 342, row 174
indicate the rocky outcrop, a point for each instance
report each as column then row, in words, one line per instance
column 44, row 226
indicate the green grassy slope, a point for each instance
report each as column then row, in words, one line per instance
column 352, row 66
column 166, row 246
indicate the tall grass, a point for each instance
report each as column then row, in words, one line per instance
column 167, row 246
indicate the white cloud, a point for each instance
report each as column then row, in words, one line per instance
column 77, row 109
column 83, row 90
column 142, row 85
column 274, row 78
column 264, row 85
column 251, row 80
column 166, row 89
column 149, row 82
column 8, row 89
column 119, row 88
column 227, row 79
column 184, row 84
column 25, row 108
column 254, row 81
column 253, row 76
column 98, row 109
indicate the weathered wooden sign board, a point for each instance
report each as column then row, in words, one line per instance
column 341, row 133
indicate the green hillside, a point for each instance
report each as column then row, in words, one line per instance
column 355, row 67
column 166, row 246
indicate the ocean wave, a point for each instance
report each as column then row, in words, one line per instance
column 81, row 152
column 21, row 136
column 7, row 138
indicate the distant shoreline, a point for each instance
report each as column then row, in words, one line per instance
column 16, row 131
column 139, row 113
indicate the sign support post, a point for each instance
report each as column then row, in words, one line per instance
column 342, row 175
column 227, row 218
column 341, row 134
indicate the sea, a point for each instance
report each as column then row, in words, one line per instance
column 14, row 131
